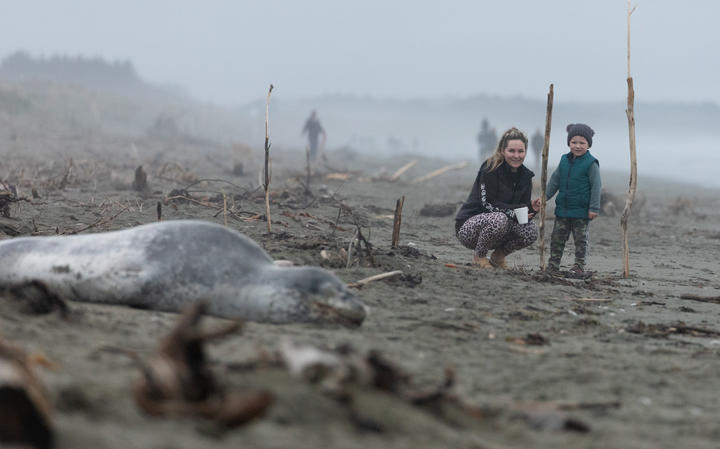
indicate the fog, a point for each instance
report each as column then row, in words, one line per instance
column 419, row 76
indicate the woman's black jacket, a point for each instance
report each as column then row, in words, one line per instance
column 500, row 190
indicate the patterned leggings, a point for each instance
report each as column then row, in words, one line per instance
column 494, row 230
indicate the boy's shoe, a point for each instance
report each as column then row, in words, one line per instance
column 552, row 271
column 577, row 272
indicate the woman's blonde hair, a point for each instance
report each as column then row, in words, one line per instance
column 498, row 157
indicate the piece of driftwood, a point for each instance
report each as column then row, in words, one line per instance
column 394, row 177
column 25, row 410
column 543, row 176
column 266, row 180
column 710, row 299
column 377, row 277
column 440, row 171
column 397, row 221
column 632, row 188
column 176, row 380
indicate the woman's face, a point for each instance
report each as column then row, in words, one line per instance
column 514, row 153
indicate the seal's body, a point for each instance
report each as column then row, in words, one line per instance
column 168, row 265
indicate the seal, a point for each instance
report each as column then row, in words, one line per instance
column 169, row 265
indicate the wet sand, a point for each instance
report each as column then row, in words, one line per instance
column 629, row 358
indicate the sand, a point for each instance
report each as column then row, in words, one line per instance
column 628, row 385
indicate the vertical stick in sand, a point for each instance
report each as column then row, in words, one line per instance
column 397, row 221
column 633, row 156
column 543, row 176
column 266, row 183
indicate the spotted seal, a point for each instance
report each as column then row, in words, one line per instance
column 168, row 265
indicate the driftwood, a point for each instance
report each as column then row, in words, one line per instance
column 397, row 220
column 176, row 380
column 377, row 277
column 710, row 299
column 402, row 170
column 25, row 410
column 543, row 176
column 633, row 156
column 266, row 181
column 440, row 171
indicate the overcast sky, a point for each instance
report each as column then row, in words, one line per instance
column 229, row 51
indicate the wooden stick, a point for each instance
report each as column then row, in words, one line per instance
column 397, row 221
column 225, row 209
column 402, row 170
column 374, row 278
column 350, row 248
column 266, row 183
column 633, row 158
column 543, row 176
column 307, row 166
column 710, row 299
column 440, row 171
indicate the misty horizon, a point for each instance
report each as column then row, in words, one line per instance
column 229, row 53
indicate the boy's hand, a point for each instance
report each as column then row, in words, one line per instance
column 592, row 215
column 536, row 204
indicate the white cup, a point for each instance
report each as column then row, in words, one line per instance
column 521, row 213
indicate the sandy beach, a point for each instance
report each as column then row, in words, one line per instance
column 602, row 363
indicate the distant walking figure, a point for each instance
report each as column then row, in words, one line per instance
column 314, row 130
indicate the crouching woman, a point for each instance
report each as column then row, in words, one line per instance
column 487, row 220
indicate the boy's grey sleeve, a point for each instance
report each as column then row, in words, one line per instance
column 595, row 187
column 553, row 185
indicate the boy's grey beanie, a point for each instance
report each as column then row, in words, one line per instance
column 580, row 129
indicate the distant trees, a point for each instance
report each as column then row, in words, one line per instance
column 487, row 139
column 94, row 72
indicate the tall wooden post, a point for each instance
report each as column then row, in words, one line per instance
column 633, row 156
column 266, row 182
column 543, row 176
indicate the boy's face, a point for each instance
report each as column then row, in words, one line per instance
column 578, row 145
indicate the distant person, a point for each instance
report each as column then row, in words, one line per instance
column 537, row 142
column 487, row 138
column 314, row 130
column 577, row 179
column 487, row 219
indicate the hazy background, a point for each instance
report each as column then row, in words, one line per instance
column 408, row 75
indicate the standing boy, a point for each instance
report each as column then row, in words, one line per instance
column 577, row 179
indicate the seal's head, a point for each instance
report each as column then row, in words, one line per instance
column 317, row 295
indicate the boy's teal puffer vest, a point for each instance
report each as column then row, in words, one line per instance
column 573, row 200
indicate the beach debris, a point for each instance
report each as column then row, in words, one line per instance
column 664, row 330
column 553, row 416
column 25, row 410
column 173, row 171
column 438, row 210
column 710, row 299
column 378, row 277
column 339, row 372
column 439, row 171
column 397, row 221
column 8, row 195
column 395, row 176
column 176, row 380
column 529, row 340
